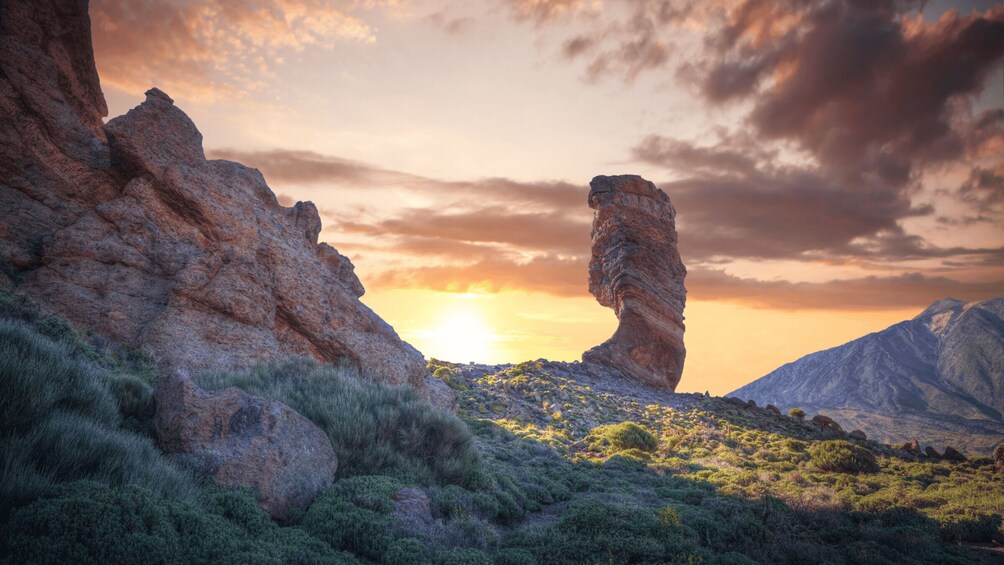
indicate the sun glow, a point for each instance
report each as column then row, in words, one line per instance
column 461, row 335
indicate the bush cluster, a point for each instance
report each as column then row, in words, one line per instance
column 375, row 429
column 622, row 437
column 840, row 456
column 61, row 419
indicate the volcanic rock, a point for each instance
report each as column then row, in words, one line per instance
column 127, row 230
column 998, row 455
column 826, row 423
column 953, row 454
column 245, row 441
column 932, row 452
column 773, row 410
column 636, row 270
column 858, row 435
column 912, row 446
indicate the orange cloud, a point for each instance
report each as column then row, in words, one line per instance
column 211, row 49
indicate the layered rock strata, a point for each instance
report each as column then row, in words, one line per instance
column 128, row 230
column 636, row 270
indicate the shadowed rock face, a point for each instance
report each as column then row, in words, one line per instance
column 636, row 270
column 126, row 229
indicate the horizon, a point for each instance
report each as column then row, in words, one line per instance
column 449, row 149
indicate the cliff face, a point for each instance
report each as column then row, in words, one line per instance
column 938, row 378
column 126, row 229
column 636, row 270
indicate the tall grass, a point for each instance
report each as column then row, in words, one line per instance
column 60, row 421
column 374, row 428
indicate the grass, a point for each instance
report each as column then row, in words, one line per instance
column 537, row 468
column 61, row 421
column 374, row 428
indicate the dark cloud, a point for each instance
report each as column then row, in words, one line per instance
column 911, row 290
column 548, row 231
column 551, row 274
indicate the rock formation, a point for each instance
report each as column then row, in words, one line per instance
column 127, row 230
column 247, row 441
column 636, row 270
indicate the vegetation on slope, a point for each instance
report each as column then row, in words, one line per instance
column 540, row 468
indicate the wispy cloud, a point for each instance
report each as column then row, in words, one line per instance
column 212, row 49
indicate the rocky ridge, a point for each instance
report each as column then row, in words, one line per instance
column 938, row 378
column 636, row 270
column 126, row 229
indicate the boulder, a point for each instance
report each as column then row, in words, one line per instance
column 773, row 410
column 736, row 401
column 998, row 455
column 751, row 403
column 245, row 441
column 952, row 454
column 636, row 270
column 858, row 435
column 826, row 423
column 412, row 507
column 127, row 230
column 932, row 452
column 912, row 446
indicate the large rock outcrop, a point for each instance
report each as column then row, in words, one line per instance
column 247, row 441
column 126, row 229
column 636, row 270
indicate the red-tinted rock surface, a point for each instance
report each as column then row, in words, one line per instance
column 636, row 270
column 826, row 423
column 998, row 455
column 127, row 230
column 247, row 441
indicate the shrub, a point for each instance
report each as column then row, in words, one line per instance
column 840, row 456
column 354, row 515
column 450, row 378
column 797, row 413
column 59, row 422
column 87, row 522
column 621, row 437
column 375, row 428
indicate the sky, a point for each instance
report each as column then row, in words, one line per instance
column 836, row 165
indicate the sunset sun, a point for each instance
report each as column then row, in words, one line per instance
column 460, row 335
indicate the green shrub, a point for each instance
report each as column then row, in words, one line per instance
column 354, row 515
column 840, row 456
column 450, row 378
column 621, row 437
column 86, row 522
column 375, row 428
column 797, row 413
column 59, row 422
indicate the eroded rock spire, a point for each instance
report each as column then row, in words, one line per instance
column 636, row 270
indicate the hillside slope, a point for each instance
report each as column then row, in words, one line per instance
column 938, row 378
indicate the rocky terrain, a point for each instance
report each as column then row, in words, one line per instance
column 636, row 270
column 938, row 378
column 127, row 230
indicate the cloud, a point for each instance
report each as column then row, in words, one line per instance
column 547, row 231
column 210, row 49
column 909, row 290
column 549, row 274
column 310, row 168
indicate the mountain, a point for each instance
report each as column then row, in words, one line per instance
column 938, row 378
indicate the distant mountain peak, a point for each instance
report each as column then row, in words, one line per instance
column 938, row 378
column 941, row 306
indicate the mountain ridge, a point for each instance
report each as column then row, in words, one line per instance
column 941, row 370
